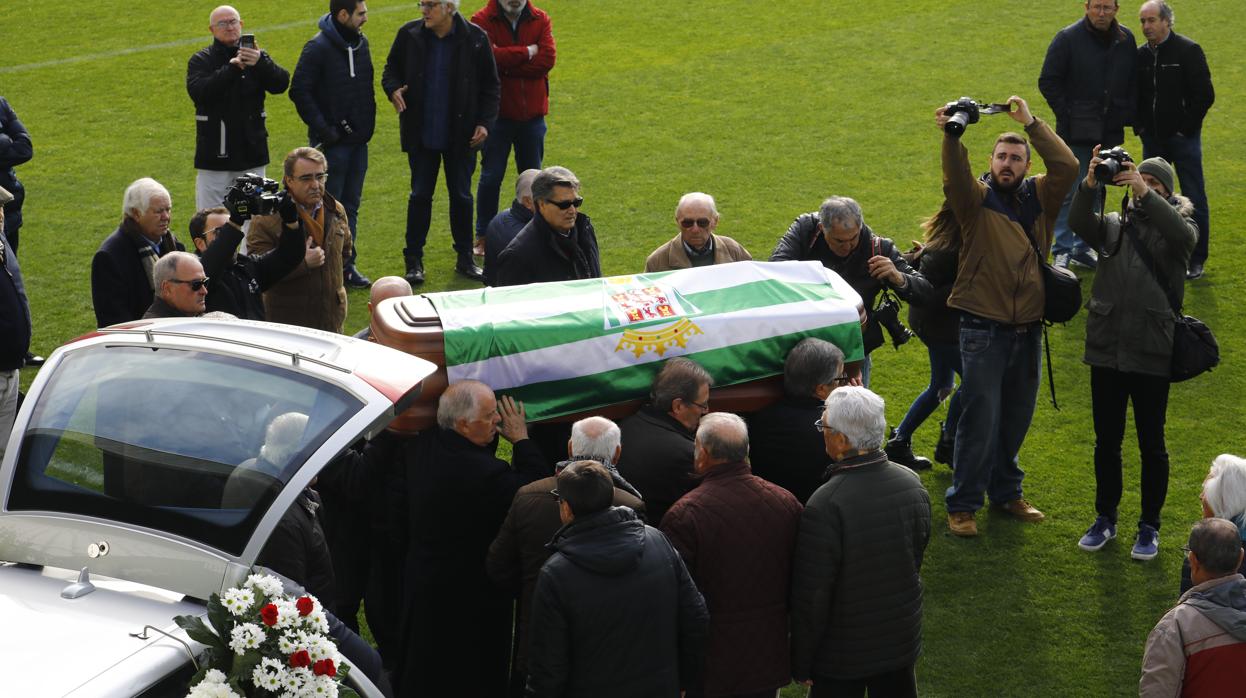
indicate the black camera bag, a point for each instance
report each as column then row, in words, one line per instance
column 1062, row 292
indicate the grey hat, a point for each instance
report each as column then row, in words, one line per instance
column 5, row 196
column 1161, row 170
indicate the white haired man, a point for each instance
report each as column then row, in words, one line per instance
column 696, row 244
column 122, row 271
column 856, row 585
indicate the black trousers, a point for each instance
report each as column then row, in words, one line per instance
column 901, row 683
column 1110, row 393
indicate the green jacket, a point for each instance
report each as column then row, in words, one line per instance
column 1130, row 323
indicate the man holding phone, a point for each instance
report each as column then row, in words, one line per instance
column 228, row 81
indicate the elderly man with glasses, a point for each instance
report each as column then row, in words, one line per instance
column 696, row 244
column 856, row 604
column 559, row 243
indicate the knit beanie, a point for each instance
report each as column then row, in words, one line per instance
column 1161, row 170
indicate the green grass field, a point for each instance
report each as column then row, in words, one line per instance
column 770, row 107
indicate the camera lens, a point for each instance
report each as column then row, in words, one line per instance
column 1107, row 170
column 955, row 126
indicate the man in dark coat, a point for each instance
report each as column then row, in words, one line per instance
column 14, row 330
column 507, row 224
column 615, row 612
column 736, row 533
column 333, row 92
column 559, row 243
column 442, row 80
column 856, row 588
column 519, row 551
column 456, row 624
column 15, row 149
column 658, row 459
column 228, row 83
column 1174, row 94
column 121, row 271
column 236, row 282
column 784, row 448
column 836, row 235
column 1089, row 82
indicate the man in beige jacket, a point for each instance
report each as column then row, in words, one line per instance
column 696, row 245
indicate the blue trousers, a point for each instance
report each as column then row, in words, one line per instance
column 1065, row 240
column 1186, row 155
column 945, row 365
column 528, row 140
column 425, row 165
column 348, row 164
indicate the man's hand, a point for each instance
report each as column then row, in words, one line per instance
column 1021, row 111
column 1091, row 182
column 514, row 425
column 288, row 209
column 532, row 51
column 248, row 56
column 400, row 104
column 314, row 256
column 940, row 119
column 1129, row 176
column 479, row 136
column 882, row 268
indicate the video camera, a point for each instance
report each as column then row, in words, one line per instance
column 252, row 195
column 965, row 111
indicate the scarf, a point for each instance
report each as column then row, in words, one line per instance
column 314, row 225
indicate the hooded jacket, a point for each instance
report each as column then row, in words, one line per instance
column 614, row 613
column 231, row 133
column 525, row 81
column 333, row 83
column 1199, row 647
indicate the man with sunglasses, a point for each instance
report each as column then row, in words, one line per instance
column 696, row 245
column 559, row 243
column 181, row 285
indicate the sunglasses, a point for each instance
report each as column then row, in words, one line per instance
column 564, row 205
column 702, row 223
column 194, row 284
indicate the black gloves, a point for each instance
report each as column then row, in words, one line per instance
column 288, row 210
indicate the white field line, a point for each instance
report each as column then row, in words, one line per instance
column 195, row 41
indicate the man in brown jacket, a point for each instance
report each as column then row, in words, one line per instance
column 312, row 295
column 1004, row 216
column 696, row 245
column 736, row 533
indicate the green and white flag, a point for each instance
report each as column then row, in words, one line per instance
column 573, row 346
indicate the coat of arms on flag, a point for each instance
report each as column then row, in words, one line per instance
column 637, row 302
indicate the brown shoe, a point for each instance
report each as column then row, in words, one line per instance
column 1023, row 511
column 961, row 523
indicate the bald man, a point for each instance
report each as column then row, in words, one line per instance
column 696, row 244
column 382, row 289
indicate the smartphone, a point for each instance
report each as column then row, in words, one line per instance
column 247, row 41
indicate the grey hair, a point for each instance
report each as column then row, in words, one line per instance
column 166, row 267
column 695, row 197
column 1217, row 544
column 454, row 4
column 1165, row 11
column 523, row 183
column 1224, row 490
column 595, row 438
column 859, row 414
column 842, row 211
column 459, row 401
column 724, row 436
column 282, row 438
column 678, row 378
column 812, row 362
column 139, row 194
column 544, row 182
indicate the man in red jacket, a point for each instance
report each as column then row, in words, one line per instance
column 523, row 47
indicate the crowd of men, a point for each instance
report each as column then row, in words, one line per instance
column 681, row 550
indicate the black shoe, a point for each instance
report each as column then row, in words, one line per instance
column 34, row 361
column 946, row 448
column 468, row 268
column 415, row 271
column 353, row 279
column 1195, row 272
column 902, row 452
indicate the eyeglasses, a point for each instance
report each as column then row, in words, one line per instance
column 817, row 424
column 564, row 205
column 557, row 496
column 318, row 176
column 705, row 407
column 194, row 284
column 227, row 23
column 1185, row 550
column 699, row 222
column 429, row 5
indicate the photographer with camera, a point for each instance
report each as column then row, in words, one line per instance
column 1144, row 251
column 836, row 235
column 1004, row 217
column 313, row 294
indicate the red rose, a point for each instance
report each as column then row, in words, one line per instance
column 305, row 605
column 324, row 667
column 268, row 614
column 300, row 658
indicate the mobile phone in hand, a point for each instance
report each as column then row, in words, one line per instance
column 247, row 41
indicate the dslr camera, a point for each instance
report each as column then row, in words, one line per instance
column 1109, row 166
column 963, row 112
column 252, row 195
column 887, row 315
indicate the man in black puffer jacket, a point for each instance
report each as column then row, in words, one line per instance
column 856, row 603
column 615, row 612
column 236, row 282
column 836, row 235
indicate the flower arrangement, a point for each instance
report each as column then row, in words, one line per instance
column 263, row 642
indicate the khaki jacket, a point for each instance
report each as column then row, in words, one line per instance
column 672, row 255
column 307, row 297
column 998, row 276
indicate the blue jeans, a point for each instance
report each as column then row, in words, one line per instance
column 424, row 167
column 944, row 367
column 1000, row 383
column 528, row 139
column 1186, row 155
column 1065, row 240
column 347, row 166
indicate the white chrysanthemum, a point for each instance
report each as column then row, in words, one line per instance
column 288, row 643
column 292, row 682
column 321, row 648
column 245, row 636
column 267, row 680
column 238, row 601
column 214, row 676
column 287, row 613
column 212, row 689
column 267, row 585
column 322, row 687
column 318, row 621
